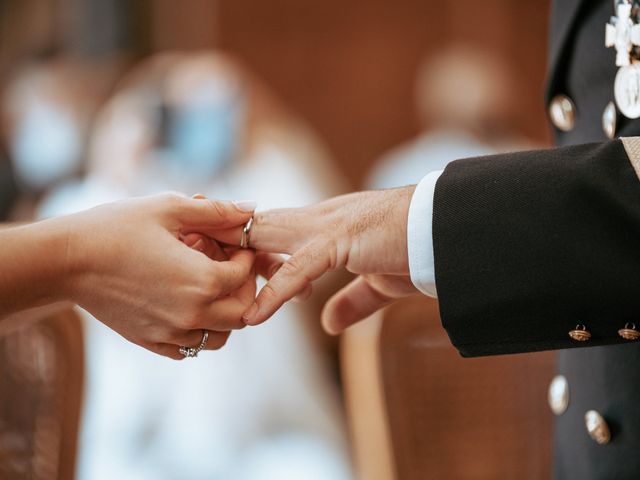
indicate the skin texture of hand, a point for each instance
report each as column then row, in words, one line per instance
column 364, row 232
column 136, row 267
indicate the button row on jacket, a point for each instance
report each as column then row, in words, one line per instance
column 581, row 334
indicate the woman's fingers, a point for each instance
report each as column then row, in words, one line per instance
column 228, row 236
column 351, row 304
column 166, row 350
column 289, row 280
column 204, row 215
column 215, row 341
column 232, row 274
column 187, row 338
column 204, row 244
column 226, row 313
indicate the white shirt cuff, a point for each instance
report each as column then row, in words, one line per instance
column 419, row 235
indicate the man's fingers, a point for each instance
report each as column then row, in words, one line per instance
column 283, row 230
column 267, row 264
column 204, row 215
column 276, row 231
column 353, row 303
column 226, row 313
column 288, row 281
column 232, row 274
column 304, row 294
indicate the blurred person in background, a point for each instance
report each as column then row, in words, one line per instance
column 463, row 96
column 265, row 407
column 47, row 109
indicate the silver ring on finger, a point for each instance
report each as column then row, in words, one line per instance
column 192, row 352
column 246, row 234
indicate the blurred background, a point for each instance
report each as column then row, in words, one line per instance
column 287, row 103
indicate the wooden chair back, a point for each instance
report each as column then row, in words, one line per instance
column 41, row 379
column 417, row 410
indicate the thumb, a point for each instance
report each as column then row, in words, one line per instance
column 206, row 215
column 351, row 304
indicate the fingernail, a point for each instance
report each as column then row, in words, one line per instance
column 250, row 314
column 246, row 205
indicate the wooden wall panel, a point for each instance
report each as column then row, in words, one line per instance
column 348, row 66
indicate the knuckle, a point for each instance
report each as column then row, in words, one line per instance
column 291, row 267
column 269, row 293
column 217, row 209
column 171, row 200
column 191, row 321
column 212, row 289
column 209, row 288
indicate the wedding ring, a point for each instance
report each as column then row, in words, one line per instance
column 246, row 234
column 192, row 352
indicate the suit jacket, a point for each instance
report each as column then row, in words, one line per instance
column 530, row 244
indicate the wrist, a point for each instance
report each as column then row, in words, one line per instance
column 66, row 257
column 46, row 242
column 403, row 202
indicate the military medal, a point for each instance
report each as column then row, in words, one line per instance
column 623, row 33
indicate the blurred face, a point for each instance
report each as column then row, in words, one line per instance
column 202, row 138
column 203, row 119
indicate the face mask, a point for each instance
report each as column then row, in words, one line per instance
column 46, row 147
column 203, row 139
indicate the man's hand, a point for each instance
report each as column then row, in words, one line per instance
column 362, row 297
column 365, row 232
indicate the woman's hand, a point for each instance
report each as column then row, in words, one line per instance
column 365, row 232
column 127, row 264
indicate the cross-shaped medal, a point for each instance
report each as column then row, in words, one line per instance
column 622, row 33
